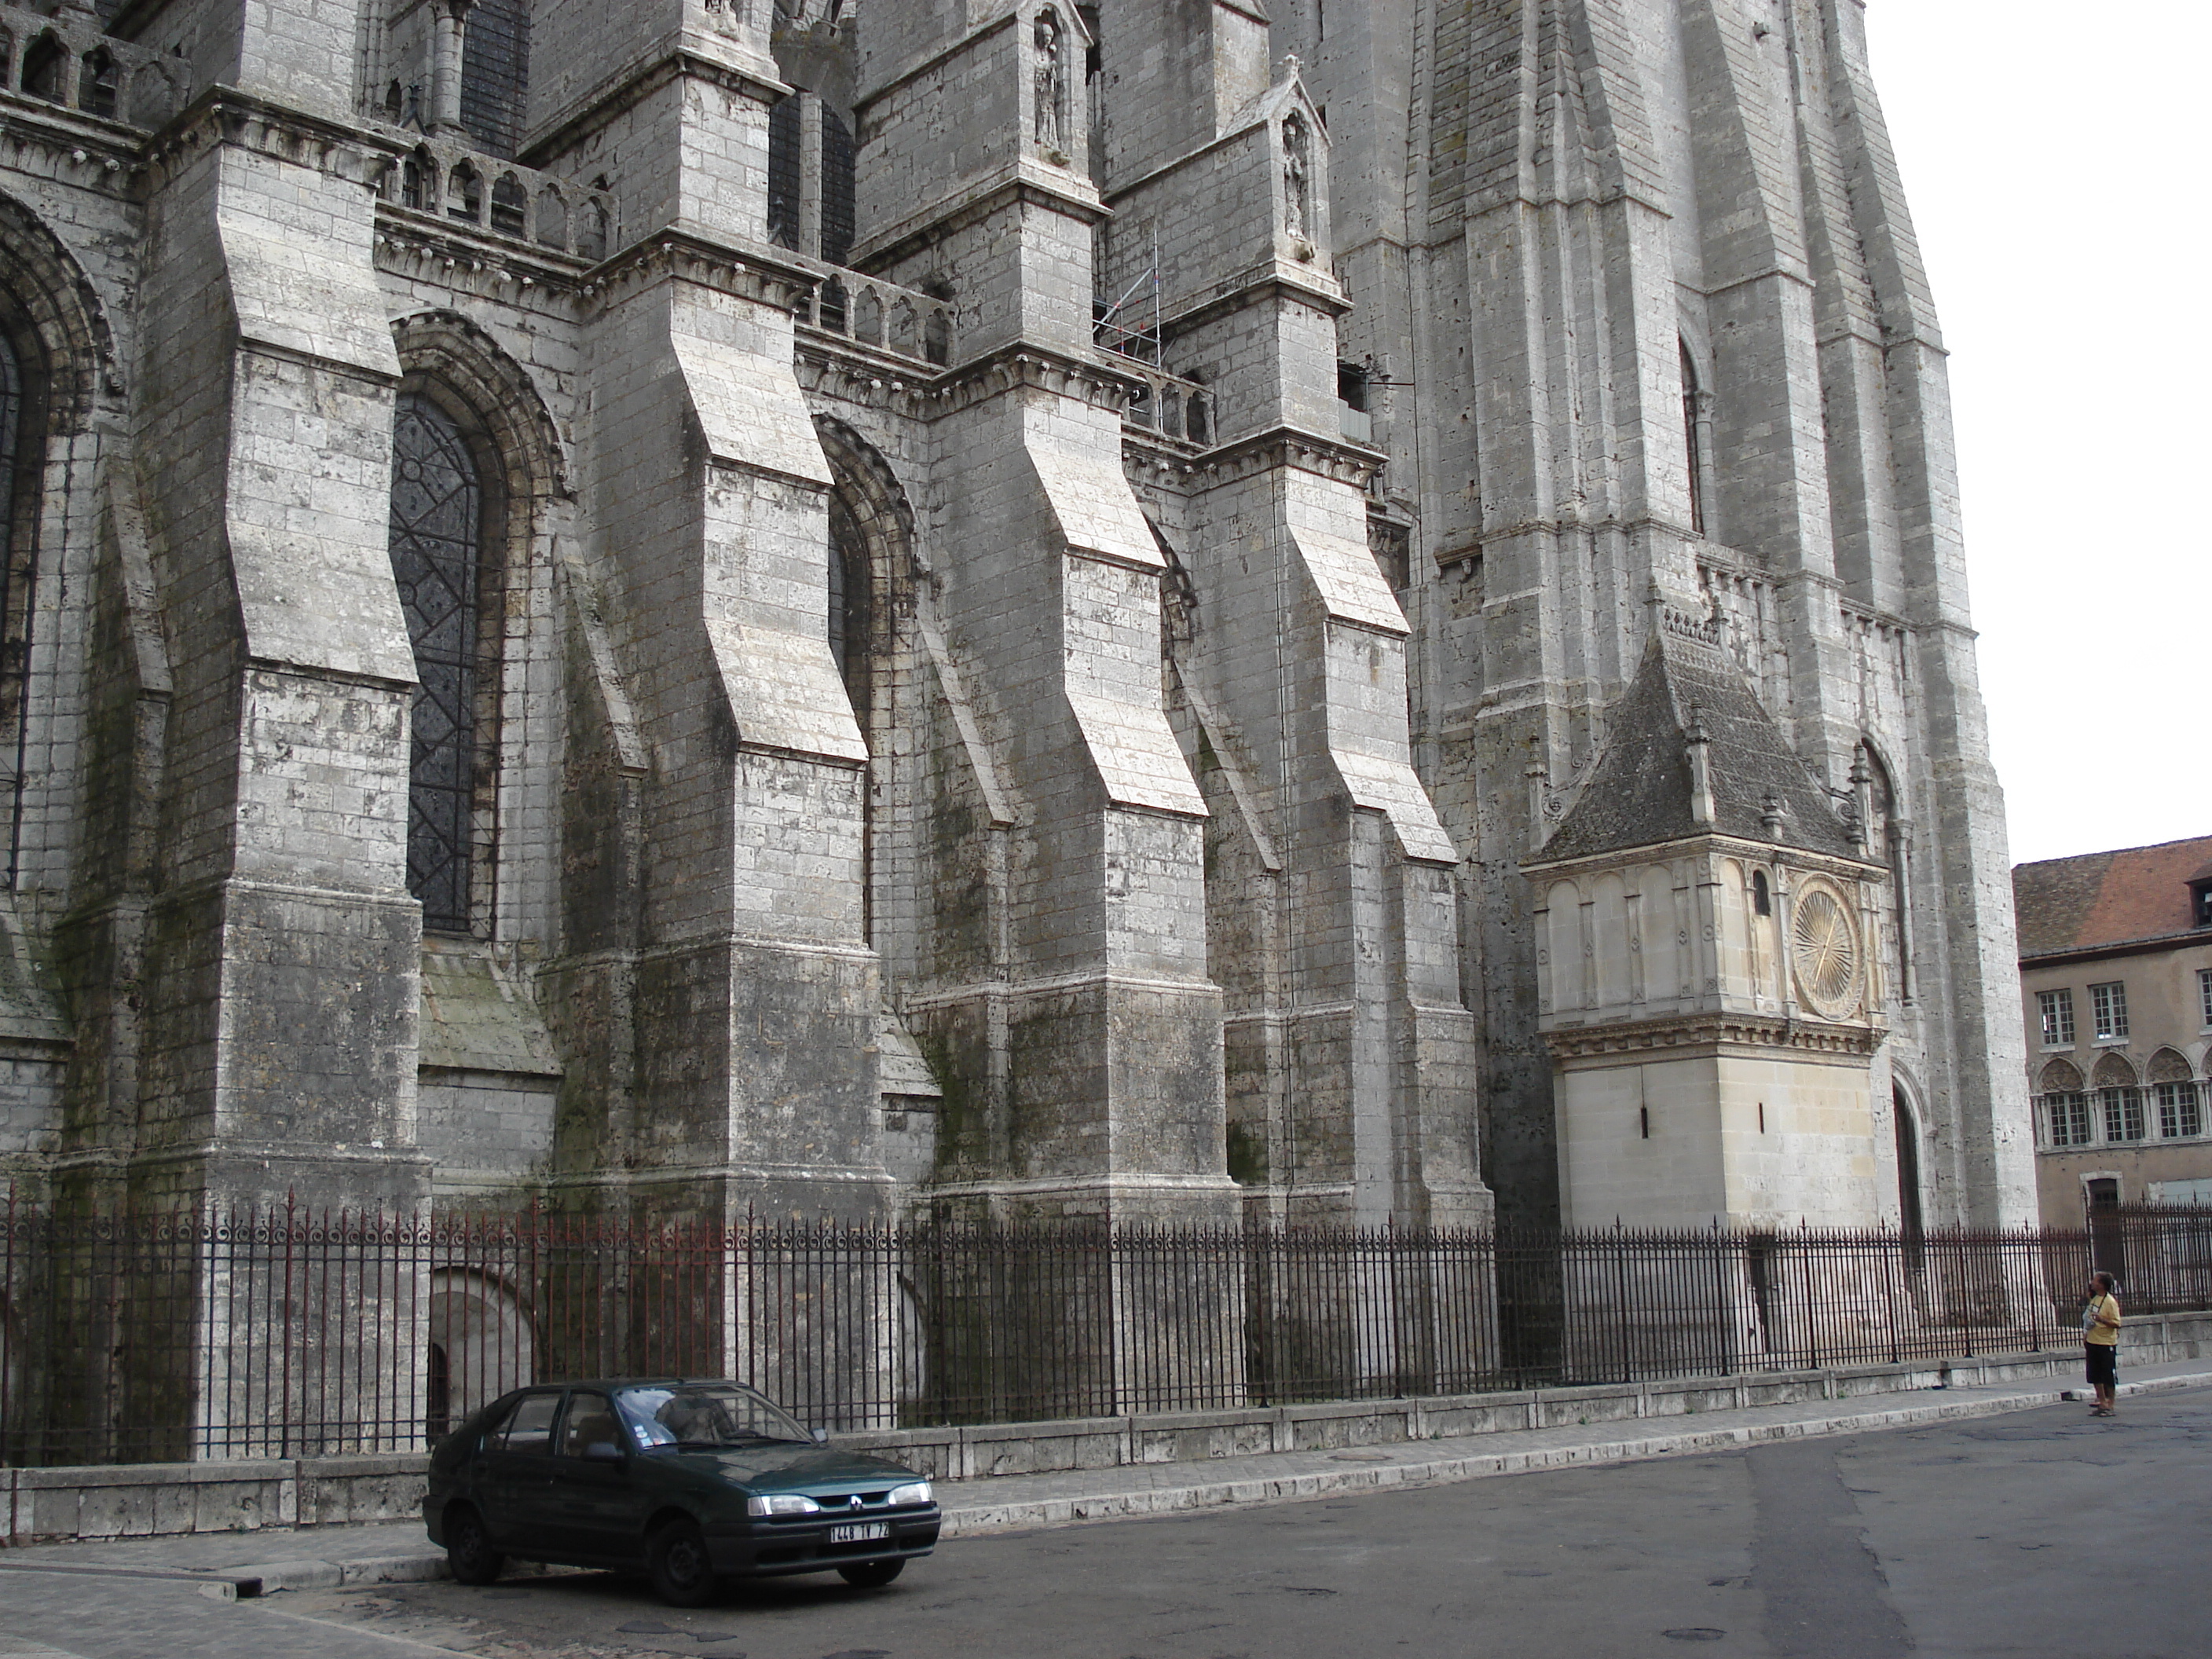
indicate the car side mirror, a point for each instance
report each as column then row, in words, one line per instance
column 602, row 1451
column 821, row 1436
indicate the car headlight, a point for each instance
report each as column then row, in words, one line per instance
column 782, row 1503
column 917, row 1492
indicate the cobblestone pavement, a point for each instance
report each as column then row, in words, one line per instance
column 2042, row 1533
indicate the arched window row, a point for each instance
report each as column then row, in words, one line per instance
column 509, row 201
column 2122, row 1114
column 875, row 314
column 83, row 71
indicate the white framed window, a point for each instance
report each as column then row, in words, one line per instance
column 2108, row 1008
column 2204, row 992
column 2057, row 1008
column 2067, row 1117
column 2180, row 1111
column 2123, row 1113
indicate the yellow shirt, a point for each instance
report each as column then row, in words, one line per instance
column 2103, row 1308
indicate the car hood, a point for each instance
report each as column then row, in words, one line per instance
column 799, row 1469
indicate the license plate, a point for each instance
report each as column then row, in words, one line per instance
column 859, row 1532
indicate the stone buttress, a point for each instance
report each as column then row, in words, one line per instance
column 1080, row 1049
column 746, row 999
column 1351, row 1056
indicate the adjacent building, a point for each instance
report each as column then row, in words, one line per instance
column 2116, row 976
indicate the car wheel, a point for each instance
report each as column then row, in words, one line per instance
column 683, row 1575
column 870, row 1575
column 469, row 1553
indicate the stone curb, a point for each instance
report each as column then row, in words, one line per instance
column 973, row 1519
column 969, row 1521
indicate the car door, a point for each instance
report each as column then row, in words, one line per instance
column 512, row 1476
column 594, row 1508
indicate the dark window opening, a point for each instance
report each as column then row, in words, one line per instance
column 1909, row 1216
column 1762, row 896
column 44, row 67
column 495, row 73
column 2104, row 1195
column 836, row 188
column 1644, row 1121
column 1351, row 385
column 437, row 555
column 1690, row 439
column 2200, row 904
column 784, row 123
column 851, row 610
column 96, row 85
column 510, row 205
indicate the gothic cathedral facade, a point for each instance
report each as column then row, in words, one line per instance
column 701, row 607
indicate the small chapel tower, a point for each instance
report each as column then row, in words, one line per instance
column 1707, row 930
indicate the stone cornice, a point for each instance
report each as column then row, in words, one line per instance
column 1336, row 459
column 81, row 150
column 753, row 271
column 1756, row 1032
column 1039, row 368
column 1706, row 846
column 466, row 258
column 224, row 115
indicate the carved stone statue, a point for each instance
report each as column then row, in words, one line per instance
column 1050, row 82
column 1298, row 205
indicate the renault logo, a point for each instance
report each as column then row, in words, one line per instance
column 854, row 1500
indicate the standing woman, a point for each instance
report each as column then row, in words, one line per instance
column 2100, row 1340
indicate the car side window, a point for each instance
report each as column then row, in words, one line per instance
column 590, row 1422
column 530, row 1429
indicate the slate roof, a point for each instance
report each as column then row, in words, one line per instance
column 2120, row 897
column 1639, row 794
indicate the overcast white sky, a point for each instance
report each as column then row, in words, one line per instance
column 2054, row 157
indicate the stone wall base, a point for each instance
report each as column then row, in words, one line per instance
column 140, row 1500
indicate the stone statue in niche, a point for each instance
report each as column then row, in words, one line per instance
column 1051, row 83
column 1298, row 200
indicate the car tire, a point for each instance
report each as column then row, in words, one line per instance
column 469, row 1554
column 870, row 1575
column 683, row 1572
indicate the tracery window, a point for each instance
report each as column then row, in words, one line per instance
column 437, row 557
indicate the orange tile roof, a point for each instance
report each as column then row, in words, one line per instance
column 2107, row 898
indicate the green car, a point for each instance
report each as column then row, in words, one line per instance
column 694, row 1481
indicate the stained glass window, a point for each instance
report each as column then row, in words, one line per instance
column 437, row 536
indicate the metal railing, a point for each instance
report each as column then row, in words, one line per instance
column 266, row 1334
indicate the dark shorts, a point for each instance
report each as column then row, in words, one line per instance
column 2103, row 1362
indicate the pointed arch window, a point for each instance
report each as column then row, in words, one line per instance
column 1697, row 434
column 437, row 539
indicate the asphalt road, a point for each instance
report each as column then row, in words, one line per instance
column 2039, row 1533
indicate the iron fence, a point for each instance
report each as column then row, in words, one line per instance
column 287, row 1333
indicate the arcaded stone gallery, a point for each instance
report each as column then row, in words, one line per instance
column 1166, row 608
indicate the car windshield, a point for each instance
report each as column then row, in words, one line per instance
column 704, row 1415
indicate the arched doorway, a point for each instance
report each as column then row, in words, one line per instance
column 1911, row 1219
